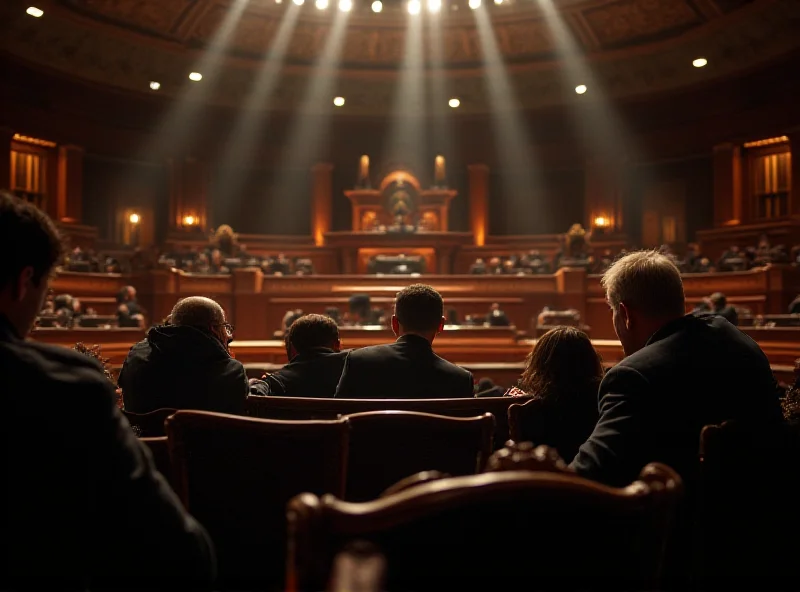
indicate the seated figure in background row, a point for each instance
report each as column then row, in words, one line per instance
column 407, row 368
column 187, row 364
column 564, row 371
column 129, row 313
column 315, row 360
column 497, row 317
column 91, row 512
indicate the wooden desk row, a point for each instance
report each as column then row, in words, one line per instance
column 256, row 303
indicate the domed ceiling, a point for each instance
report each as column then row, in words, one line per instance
column 631, row 47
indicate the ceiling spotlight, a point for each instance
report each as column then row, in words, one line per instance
column 498, row 2
column 434, row 5
column 278, row 1
column 321, row 4
column 338, row 101
column 33, row 11
column 195, row 77
column 155, row 85
column 298, row 2
column 474, row 4
column 414, row 6
column 580, row 89
column 699, row 62
column 377, row 6
column 345, row 5
column 454, row 103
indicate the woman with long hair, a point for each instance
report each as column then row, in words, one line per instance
column 562, row 374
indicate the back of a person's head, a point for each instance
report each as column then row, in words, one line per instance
column 198, row 312
column 419, row 308
column 310, row 331
column 28, row 238
column 563, row 362
column 646, row 281
column 718, row 299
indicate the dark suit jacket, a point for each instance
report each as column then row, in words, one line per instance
column 693, row 372
column 405, row 369
column 311, row 374
column 82, row 505
column 182, row 368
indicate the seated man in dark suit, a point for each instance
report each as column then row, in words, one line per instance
column 187, row 364
column 681, row 372
column 315, row 360
column 83, row 507
column 407, row 368
column 720, row 306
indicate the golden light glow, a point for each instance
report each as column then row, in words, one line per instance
column 134, row 218
column 434, row 6
column 195, row 77
column 377, row 6
column 414, row 6
column 454, row 103
column 35, row 12
column 699, row 62
column 34, row 141
column 338, row 101
column 766, row 142
column 155, row 85
column 321, row 4
column 601, row 222
column 345, row 5
column 474, row 4
column 189, row 220
column 580, row 89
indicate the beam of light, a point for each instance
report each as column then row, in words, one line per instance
column 405, row 143
column 518, row 166
column 597, row 123
column 180, row 122
column 310, row 125
column 442, row 140
column 253, row 116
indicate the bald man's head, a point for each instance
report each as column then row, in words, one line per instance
column 197, row 311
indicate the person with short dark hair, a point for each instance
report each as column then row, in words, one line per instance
column 129, row 313
column 719, row 306
column 187, row 364
column 315, row 358
column 83, row 506
column 407, row 368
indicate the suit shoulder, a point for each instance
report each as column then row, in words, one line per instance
column 370, row 352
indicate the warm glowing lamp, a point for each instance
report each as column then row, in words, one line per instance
column 189, row 220
column 134, row 218
column 601, row 222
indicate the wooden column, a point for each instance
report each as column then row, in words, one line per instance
column 188, row 192
column 603, row 193
column 794, row 195
column 69, row 193
column 321, row 201
column 479, row 202
column 5, row 157
column 727, row 185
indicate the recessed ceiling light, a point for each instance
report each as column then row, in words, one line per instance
column 454, row 103
column 155, row 85
column 414, row 6
column 33, row 11
column 321, row 4
column 580, row 89
column 338, row 101
column 345, row 5
column 699, row 62
column 474, row 4
column 498, row 2
column 298, row 2
column 434, row 5
column 377, row 6
column 195, row 77
column 278, row 1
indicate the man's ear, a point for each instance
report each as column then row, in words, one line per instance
column 626, row 316
column 23, row 282
column 395, row 325
column 441, row 325
column 337, row 345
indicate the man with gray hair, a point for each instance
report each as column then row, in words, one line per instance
column 681, row 372
column 186, row 364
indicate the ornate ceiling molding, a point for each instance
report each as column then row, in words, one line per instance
column 632, row 47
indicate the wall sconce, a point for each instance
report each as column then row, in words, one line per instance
column 134, row 218
column 601, row 222
column 189, row 220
